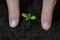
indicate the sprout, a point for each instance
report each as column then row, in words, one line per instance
column 28, row 17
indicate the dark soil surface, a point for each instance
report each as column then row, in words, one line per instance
column 26, row 31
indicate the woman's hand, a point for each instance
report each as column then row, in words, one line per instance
column 47, row 12
column 14, row 12
column 46, row 15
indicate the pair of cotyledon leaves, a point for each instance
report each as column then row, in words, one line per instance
column 28, row 16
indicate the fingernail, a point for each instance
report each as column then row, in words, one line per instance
column 46, row 26
column 13, row 23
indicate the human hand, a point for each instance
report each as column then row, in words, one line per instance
column 46, row 15
column 14, row 12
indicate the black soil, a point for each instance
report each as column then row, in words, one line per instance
column 26, row 31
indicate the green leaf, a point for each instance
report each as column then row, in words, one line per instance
column 29, row 16
column 33, row 17
column 24, row 15
column 27, row 19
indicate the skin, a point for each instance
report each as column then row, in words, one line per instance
column 46, row 14
column 14, row 12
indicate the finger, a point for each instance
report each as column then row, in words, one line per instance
column 13, row 7
column 47, row 12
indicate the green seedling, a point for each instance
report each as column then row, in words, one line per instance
column 28, row 17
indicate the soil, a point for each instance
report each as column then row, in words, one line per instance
column 26, row 31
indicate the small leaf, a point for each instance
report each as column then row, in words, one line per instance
column 29, row 15
column 33, row 17
column 24, row 15
column 27, row 19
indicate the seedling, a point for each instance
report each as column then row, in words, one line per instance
column 28, row 17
